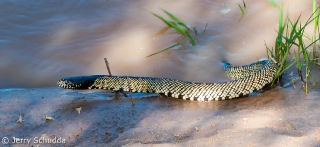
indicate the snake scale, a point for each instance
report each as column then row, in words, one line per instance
column 246, row 79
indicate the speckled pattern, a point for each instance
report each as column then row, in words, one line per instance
column 247, row 79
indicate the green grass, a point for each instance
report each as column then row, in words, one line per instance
column 274, row 3
column 243, row 9
column 315, row 29
column 290, row 38
column 178, row 25
column 170, row 47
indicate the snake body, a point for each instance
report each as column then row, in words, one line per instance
column 246, row 79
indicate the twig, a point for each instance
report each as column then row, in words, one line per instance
column 300, row 75
column 123, row 93
column 132, row 100
column 273, row 60
column 195, row 31
column 107, row 64
column 20, row 119
column 109, row 71
column 205, row 28
column 118, row 92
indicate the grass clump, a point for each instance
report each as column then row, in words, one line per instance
column 178, row 25
column 290, row 38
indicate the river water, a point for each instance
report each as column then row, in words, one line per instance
column 43, row 41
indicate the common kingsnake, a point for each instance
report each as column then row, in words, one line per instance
column 246, row 79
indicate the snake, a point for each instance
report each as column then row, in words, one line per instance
column 246, row 79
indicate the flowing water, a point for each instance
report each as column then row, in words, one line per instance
column 43, row 41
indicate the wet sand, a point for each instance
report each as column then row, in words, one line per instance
column 277, row 117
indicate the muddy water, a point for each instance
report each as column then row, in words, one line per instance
column 40, row 42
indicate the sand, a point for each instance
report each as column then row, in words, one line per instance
column 277, row 117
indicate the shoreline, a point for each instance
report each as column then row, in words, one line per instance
column 276, row 117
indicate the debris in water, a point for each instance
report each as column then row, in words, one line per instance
column 20, row 119
column 79, row 110
column 48, row 117
column 225, row 10
column 245, row 119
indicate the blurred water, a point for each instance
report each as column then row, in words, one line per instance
column 43, row 41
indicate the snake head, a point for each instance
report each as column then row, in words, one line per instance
column 66, row 83
column 78, row 82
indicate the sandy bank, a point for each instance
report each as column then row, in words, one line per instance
column 278, row 117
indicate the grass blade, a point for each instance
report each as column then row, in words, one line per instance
column 162, row 31
column 274, row 3
column 177, row 28
column 290, row 40
column 241, row 9
column 174, row 18
column 184, row 32
column 170, row 47
column 168, row 22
